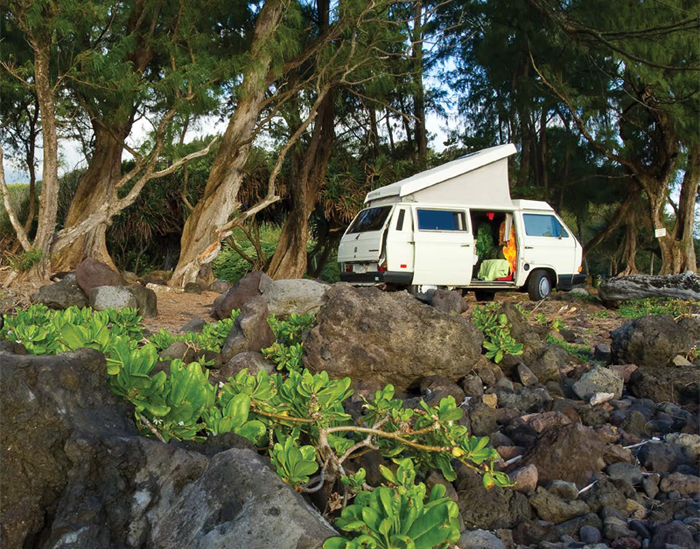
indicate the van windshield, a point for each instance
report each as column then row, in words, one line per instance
column 371, row 219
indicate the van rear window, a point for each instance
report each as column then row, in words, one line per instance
column 371, row 219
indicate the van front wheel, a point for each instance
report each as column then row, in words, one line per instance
column 539, row 286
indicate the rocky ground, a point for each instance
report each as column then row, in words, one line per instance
column 603, row 445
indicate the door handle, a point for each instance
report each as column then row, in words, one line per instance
column 529, row 248
column 466, row 245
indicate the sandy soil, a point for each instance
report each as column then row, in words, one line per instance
column 177, row 308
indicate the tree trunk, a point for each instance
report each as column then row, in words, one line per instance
column 48, row 201
column 629, row 252
column 683, row 248
column 290, row 258
column 200, row 242
column 681, row 286
column 96, row 187
column 419, row 93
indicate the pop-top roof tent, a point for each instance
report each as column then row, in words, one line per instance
column 479, row 178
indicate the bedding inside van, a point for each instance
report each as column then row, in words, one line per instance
column 492, row 269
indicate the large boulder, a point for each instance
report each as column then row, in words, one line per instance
column 92, row 273
column 61, row 295
column 250, row 332
column 44, row 400
column 393, row 338
column 677, row 384
column 248, row 288
column 112, row 297
column 299, row 296
column 568, row 452
column 76, row 474
column 651, row 341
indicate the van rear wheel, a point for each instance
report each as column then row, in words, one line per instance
column 482, row 295
column 539, row 285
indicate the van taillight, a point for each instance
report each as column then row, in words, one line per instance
column 348, row 268
column 381, row 268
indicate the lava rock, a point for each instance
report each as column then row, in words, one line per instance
column 250, row 332
column 248, row 288
column 625, row 471
column 673, row 534
column 92, row 273
column 599, row 380
column 554, row 509
column 298, row 296
column 195, row 325
column 253, row 361
column 568, row 452
column 193, row 288
column 146, row 300
column 480, row 539
column 219, row 286
column 448, row 301
column 369, row 334
column 663, row 457
column 61, row 295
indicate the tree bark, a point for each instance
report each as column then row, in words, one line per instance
column 683, row 248
column 290, row 258
column 200, row 242
column 419, row 93
column 48, row 201
column 96, row 187
column 682, row 286
column 629, row 252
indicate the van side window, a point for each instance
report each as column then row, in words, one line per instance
column 544, row 225
column 399, row 221
column 441, row 220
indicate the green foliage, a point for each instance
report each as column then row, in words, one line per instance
column 287, row 352
column 26, row 260
column 293, row 464
column 232, row 417
column 399, row 516
column 211, row 338
column 231, row 266
column 496, row 329
column 580, row 351
column 637, row 308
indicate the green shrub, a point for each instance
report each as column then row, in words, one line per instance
column 637, row 308
column 496, row 329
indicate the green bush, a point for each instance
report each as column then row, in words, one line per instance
column 496, row 329
column 637, row 308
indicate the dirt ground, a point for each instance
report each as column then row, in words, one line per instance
column 177, row 308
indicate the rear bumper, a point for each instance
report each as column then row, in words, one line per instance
column 387, row 277
column 568, row 281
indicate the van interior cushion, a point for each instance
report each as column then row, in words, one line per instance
column 493, row 269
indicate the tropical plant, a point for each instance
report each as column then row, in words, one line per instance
column 496, row 329
column 399, row 516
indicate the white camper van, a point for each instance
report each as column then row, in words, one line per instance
column 455, row 226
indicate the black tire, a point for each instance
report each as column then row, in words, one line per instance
column 483, row 295
column 539, row 285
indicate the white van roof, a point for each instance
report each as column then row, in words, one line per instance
column 490, row 186
column 532, row 205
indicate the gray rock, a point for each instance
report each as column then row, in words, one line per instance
column 248, row 288
column 146, row 299
column 625, row 471
column 525, row 479
column 526, row 376
column 565, row 490
column 61, row 295
column 554, row 509
column 663, row 457
column 685, row 485
column 674, row 534
column 480, row 539
column 238, row 501
column 472, row 385
column 568, row 452
column 590, row 535
column 298, row 295
column 599, row 380
column 389, row 337
column 92, row 273
column 250, row 332
column 254, row 362
column 219, row 286
column 111, row 297
column 448, row 301
column 650, row 341
column 195, row 325
column 688, row 441
column 177, row 349
column 193, row 288
column 602, row 352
